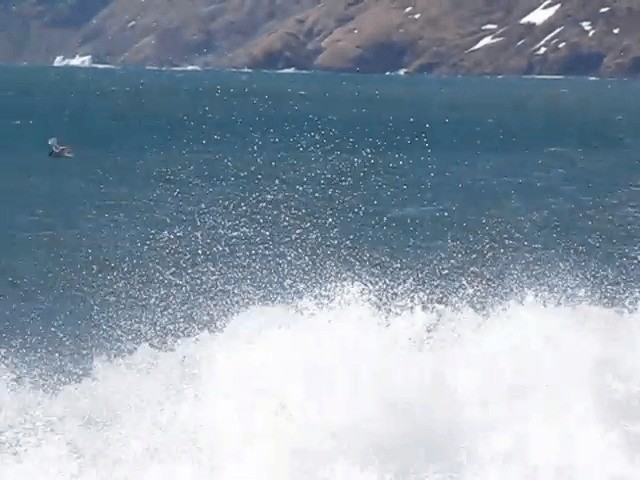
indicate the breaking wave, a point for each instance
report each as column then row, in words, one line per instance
column 343, row 391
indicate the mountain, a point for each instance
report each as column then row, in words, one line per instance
column 531, row 37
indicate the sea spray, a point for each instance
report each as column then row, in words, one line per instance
column 343, row 391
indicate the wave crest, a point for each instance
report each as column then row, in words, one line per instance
column 343, row 391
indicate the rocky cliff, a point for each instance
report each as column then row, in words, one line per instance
column 566, row 37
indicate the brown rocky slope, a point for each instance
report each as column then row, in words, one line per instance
column 571, row 37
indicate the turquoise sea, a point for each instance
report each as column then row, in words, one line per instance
column 250, row 275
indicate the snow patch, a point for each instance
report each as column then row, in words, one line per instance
column 417, row 16
column 489, row 26
column 561, row 45
column 587, row 27
column 408, row 9
column 616, row 31
column 521, row 42
column 546, row 39
column 131, row 24
column 541, row 14
column 605, row 9
column 486, row 41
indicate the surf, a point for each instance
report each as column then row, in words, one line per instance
column 341, row 390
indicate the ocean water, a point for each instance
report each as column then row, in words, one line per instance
column 247, row 275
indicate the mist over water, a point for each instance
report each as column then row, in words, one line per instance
column 318, row 276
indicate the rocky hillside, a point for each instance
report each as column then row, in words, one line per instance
column 572, row 37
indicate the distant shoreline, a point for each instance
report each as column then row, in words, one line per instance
column 521, row 38
column 413, row 75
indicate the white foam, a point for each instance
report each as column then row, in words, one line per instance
column 402, row 71
column 292, row 70
column 77, row 61
column 186, row 68
column 343, row 393
column 546, row 77
column 541, row 14
column 85, row 61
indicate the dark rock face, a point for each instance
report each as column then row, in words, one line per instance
column 634, row 66
column 582, row 63
column 551, row 37
column 279, row 50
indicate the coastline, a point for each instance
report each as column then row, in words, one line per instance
column 526, row 38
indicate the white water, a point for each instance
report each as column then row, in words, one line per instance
column 332, row 393
column 85, row 61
